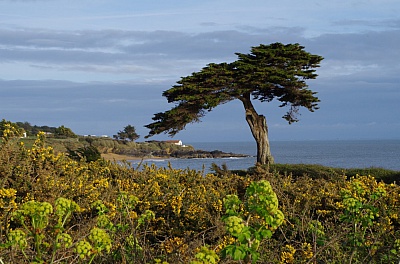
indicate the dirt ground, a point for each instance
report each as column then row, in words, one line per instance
column 117, row 157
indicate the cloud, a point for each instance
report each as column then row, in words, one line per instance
column 368, row 46
column 357, row 83
column 377, row 24
column 168, row 54
column 117, row 51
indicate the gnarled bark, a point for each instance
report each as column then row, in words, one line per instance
column 259, row 130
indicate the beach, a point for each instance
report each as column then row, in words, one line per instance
column 117, row 157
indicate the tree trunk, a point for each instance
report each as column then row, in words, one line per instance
column 259, row 129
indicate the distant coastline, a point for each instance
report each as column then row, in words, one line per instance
column 119, row 157
column 192, row 154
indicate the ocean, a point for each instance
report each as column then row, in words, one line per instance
column 332, row 153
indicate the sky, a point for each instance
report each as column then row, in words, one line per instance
column 96, row 66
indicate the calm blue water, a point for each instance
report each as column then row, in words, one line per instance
column 341, row 154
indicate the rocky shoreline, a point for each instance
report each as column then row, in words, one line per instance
column 177, row 154
column 202, row 154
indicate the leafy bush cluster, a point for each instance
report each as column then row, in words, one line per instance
column 54, row 209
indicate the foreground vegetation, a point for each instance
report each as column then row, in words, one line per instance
column 54, row 209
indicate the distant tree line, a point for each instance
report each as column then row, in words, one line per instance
column 32, row 130
column 127, row 134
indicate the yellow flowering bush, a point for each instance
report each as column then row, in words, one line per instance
column 57, row 210
column 7, row 199
column 287, row 254
column 336, row 219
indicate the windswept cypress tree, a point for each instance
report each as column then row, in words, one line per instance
column 275, row 71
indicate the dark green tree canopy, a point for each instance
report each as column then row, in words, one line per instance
column 64, row 132
column 87, row 153
column 275, row 71
column 129, row 133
